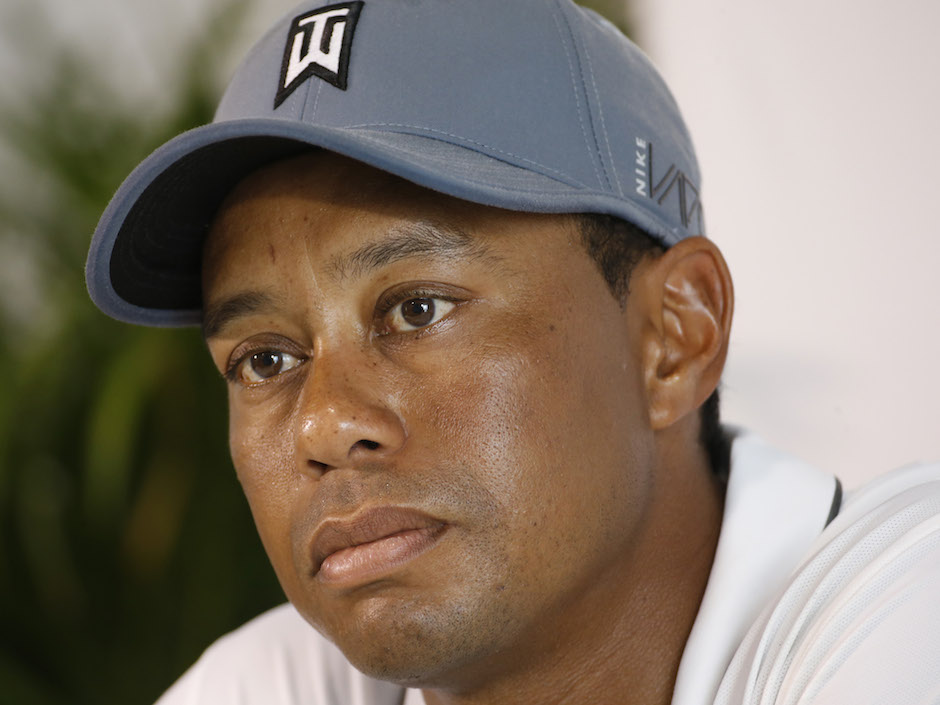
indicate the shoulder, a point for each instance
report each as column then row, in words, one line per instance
column 859, row 620
column 277, row 659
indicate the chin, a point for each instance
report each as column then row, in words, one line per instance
column 421, row 646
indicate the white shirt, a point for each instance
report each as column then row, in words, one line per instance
column 792, row 614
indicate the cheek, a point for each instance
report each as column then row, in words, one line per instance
column 260, row 445
column 543, row 418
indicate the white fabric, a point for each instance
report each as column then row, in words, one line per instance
column 277, row 659
column 775, row 507
column 859, row 622
column 803, row 616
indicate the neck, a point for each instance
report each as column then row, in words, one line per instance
column 623, row 640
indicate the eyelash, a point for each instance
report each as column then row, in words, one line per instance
column 383, row 307
column 392, row 299
column 232, row 371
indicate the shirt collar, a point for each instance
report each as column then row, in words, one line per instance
column 775, row 507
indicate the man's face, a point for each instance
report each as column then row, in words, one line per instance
column 436, row 416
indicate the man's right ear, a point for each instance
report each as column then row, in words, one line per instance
column 688, row 302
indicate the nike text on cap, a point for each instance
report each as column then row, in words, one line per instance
column 531, row 105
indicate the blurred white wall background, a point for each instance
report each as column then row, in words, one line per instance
column 816, row 125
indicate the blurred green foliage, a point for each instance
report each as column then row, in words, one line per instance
column 125, row 544
column 617, row 11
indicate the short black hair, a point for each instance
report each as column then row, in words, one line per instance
column 617, row 246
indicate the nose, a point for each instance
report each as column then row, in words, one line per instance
column 345, row 417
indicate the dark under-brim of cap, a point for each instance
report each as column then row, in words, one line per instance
column 144, row 262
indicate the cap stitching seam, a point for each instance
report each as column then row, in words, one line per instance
column 574, row 85
column 605, row 177
column 303, row 114
column 603, row 123
column 566, row 178
column 316, row 101
column 587, row 189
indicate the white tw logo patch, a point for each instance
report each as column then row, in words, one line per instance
column 318, row 45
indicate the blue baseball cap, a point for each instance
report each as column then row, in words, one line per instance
column 529, row 105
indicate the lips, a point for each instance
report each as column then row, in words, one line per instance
column 371, row 543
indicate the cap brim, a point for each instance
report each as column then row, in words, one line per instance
column 144, row 262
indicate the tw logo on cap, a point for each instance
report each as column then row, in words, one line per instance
column 318, row 44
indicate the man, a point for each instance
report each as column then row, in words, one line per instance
column 449, row 258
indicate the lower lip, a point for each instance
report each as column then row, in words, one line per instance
column 376, row 558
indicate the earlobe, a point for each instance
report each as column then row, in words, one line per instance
column 690, row 301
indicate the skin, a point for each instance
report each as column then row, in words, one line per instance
column 548, row 428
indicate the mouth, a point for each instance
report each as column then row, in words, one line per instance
column 371, row 544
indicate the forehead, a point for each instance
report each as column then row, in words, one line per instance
column 347, row 217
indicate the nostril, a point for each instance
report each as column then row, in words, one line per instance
column 368, row 445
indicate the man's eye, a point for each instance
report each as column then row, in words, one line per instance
column 417, row 312
column 264, row 365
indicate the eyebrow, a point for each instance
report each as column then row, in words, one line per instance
column 220, row 314
column 423, row 239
